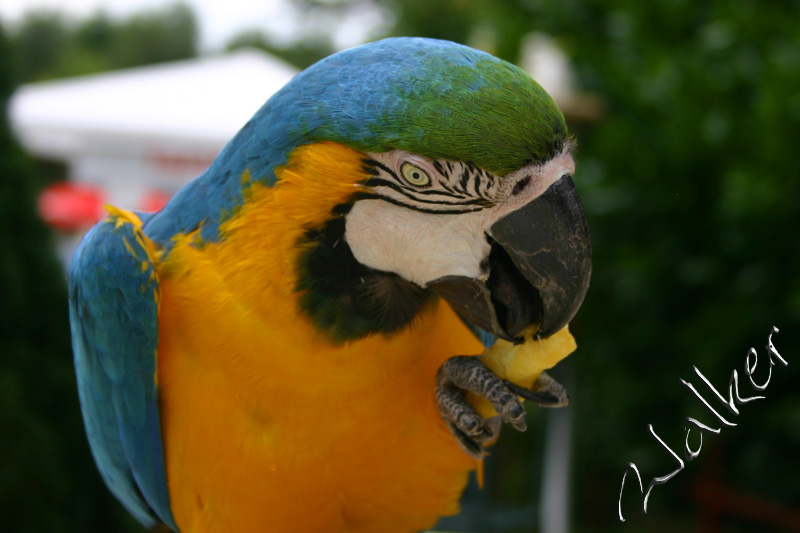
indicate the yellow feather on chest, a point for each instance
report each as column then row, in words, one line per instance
column 268, row 426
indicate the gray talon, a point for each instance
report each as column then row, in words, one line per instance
column 471, row 431
column 546, row 392
column 551, row 389
column 463, row 373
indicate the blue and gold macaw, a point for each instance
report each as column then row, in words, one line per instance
column 281, row 347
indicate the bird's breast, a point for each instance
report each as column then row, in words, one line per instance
column 267, row 424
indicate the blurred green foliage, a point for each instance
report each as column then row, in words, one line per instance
column 48, row 482
column 690, row 183
column 301, row 54
column 47, row 45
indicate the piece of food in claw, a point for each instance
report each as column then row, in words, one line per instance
column 523, row 363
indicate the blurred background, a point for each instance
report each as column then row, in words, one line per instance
column 687, row 117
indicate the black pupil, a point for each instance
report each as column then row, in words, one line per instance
column 416, row 175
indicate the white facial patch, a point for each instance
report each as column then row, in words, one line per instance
column 425, row 233
column 417, row 246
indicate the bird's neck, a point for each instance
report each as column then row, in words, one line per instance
column 345, row 298
column 286, row 244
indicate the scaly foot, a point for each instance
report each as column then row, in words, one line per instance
column 467, row 373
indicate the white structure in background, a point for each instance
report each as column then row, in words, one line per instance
column 133, row 137
column 148, row 129
column 549, row 65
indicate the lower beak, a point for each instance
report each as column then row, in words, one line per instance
column 540, row 265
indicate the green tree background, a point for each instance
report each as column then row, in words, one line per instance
column 47, row 44
column 690, row 182
column 48, row 480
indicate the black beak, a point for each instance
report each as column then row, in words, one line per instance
column 540, row 264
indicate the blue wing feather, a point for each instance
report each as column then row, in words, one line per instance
column 114, row 320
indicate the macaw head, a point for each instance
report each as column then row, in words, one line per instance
column 462, row 188
column 468, row 188
column 505, row 250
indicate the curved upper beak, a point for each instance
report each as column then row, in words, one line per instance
column 540, row 265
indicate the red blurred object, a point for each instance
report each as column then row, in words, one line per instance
column 71, row 206
column 153, row 200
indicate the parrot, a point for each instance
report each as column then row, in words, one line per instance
column 288, row 344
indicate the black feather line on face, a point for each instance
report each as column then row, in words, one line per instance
column 476, row 182
column 446, row 186
column 464, row 179
column 346, row 299
column 442, row 193
column 378, row 196
column 377, row 164
column 411, row 194
column 520, row 185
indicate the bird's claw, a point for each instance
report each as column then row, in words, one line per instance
column 472, row 432
column 546, row 391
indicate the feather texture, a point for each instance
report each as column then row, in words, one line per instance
column 269, row 422
column 208, row 347
column 114, row 299
column 434, row 98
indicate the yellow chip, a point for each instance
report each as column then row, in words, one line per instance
column 523, row 363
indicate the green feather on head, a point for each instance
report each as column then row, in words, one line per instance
column 433, row 98
column 492, row 114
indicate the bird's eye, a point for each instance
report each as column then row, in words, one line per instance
column 414, row 175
